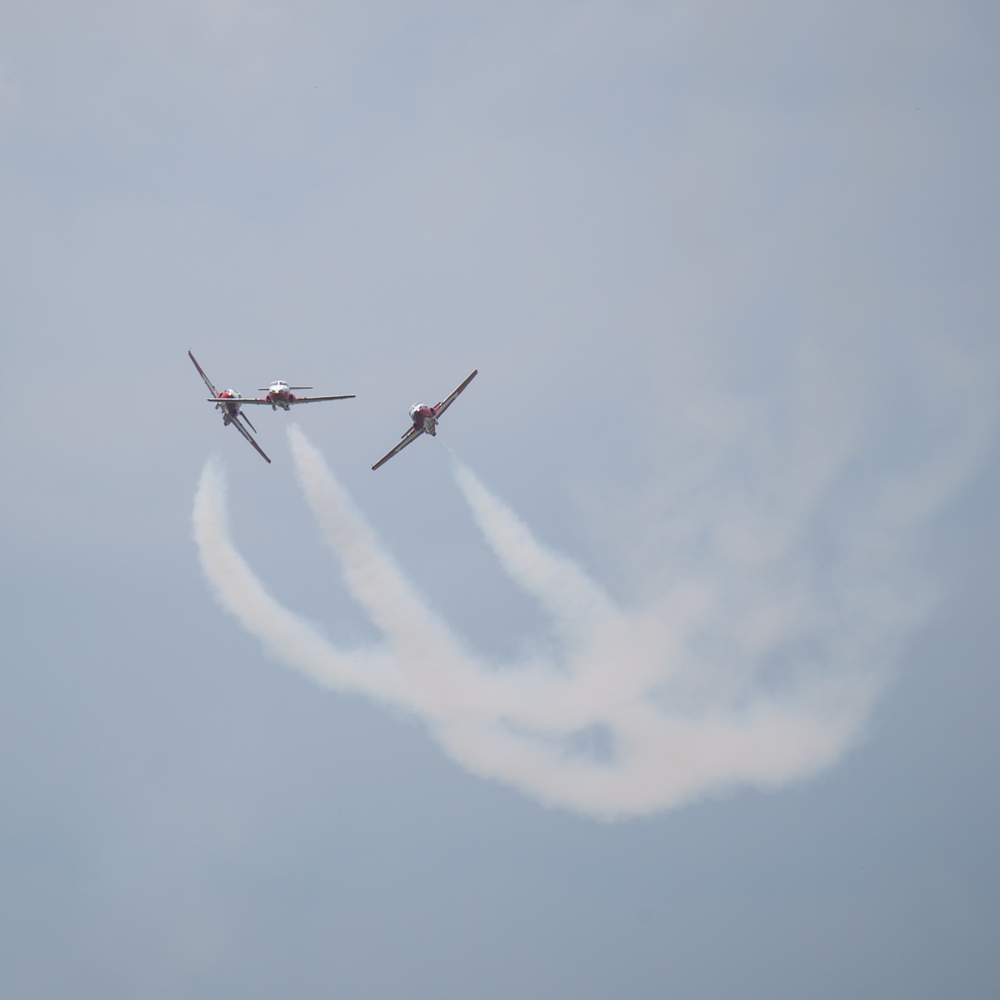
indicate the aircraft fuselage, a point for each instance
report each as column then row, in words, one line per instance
column 423, row 419
column 229, row 404
column 279, row 394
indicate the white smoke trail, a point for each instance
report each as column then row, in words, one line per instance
column 624, row 724
column 287, row 636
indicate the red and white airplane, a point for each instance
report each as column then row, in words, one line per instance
column 425, row 420
column 281, row 394
column 230, row 401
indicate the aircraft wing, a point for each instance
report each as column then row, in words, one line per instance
column 442, row 406
column 208, row 382
column 318, row 399
column 408, row 438
column 239, row 426
column 298, row 399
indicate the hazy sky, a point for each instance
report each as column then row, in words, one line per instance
column 668, row 668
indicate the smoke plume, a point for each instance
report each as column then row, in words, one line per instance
column 638, row 710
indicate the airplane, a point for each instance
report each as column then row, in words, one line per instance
column 425, row 420
column 281, row 394
column 230, row 401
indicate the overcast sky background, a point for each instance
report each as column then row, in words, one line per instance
column 729, row 274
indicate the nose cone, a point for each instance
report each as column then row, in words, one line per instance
column 421, row 415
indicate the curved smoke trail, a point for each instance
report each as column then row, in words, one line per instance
column 633, row 718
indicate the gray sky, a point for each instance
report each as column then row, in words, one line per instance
column 712, row 605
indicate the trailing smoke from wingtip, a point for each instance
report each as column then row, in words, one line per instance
column 632, row 715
